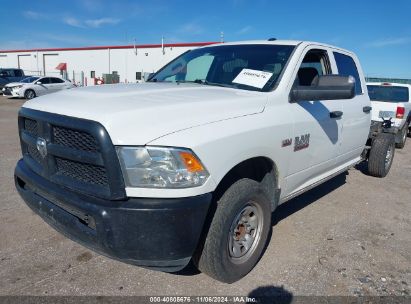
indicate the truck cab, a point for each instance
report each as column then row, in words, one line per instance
column 191, row 164
column 10, row 75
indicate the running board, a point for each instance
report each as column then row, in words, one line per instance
column 301, row 191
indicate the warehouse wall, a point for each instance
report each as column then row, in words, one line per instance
column 125, row 61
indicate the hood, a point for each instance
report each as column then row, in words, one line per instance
column 135, row 114
column 13, row 84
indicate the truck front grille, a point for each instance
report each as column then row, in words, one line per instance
column 74, row 139
column 30, row 126
column 32, row 151
column 80, row 154
column 89, row 174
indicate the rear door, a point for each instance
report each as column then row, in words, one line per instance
column 57, row 84
column 356, row 117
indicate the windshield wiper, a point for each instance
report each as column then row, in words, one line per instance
column 206, row 82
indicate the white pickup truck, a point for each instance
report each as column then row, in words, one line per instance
column 391, row 101
column 191, row 164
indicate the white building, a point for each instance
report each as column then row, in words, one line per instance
column 130, row 62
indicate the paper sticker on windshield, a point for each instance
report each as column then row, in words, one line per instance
column 253, row 78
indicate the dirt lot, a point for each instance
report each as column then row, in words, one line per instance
column 350, row 236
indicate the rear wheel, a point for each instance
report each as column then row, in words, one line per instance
column 238, row 232
column 29, row 94
column 381, row 155
column 402, row 137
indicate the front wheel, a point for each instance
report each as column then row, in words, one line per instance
column 238, row 233
column 381, row 155
column 29, row 94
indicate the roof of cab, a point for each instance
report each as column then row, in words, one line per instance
column 273, row 42
column 282, row 42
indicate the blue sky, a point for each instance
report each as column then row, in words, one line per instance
column 378, row 31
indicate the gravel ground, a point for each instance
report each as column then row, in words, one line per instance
column 349, row 236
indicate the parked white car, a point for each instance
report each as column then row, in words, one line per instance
column 34, row 86
column 392, row 101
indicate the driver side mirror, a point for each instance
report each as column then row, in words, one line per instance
column 327, row 87
column 38, row 82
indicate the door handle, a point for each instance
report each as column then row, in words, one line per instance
column 336, row 114
column 367, row 109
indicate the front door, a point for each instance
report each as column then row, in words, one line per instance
column 45, row 87
column 317, row 134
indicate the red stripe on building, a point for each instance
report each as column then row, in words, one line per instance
column 112, row 47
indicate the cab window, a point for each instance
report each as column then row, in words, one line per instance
column 346, row 67
column 315, row 64
column 6, row 73
column 45, row 80
column 56, row 80
column 388, row 93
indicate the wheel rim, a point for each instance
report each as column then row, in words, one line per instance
column 388, row 157
column 245, row 233
column 404, row 135
column 30, row 94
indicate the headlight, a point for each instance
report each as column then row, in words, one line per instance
column 17, row 87
column 158, row 167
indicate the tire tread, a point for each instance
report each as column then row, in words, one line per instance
column 209, row 261
column 379, row 148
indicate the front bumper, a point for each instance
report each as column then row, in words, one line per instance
column 6, row 91
column 160, row 234
column 11, row 93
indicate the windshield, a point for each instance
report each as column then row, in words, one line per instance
column 388, row 93
column 6, row 73
column 249, row 67
column 29, row 79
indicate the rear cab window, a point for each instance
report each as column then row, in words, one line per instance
column 346, row 67
column 18, row 73
column 388, row 93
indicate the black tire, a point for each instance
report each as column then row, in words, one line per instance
column 29, row 94
column 216, row 259
column 381, row 155
column 402, row 137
